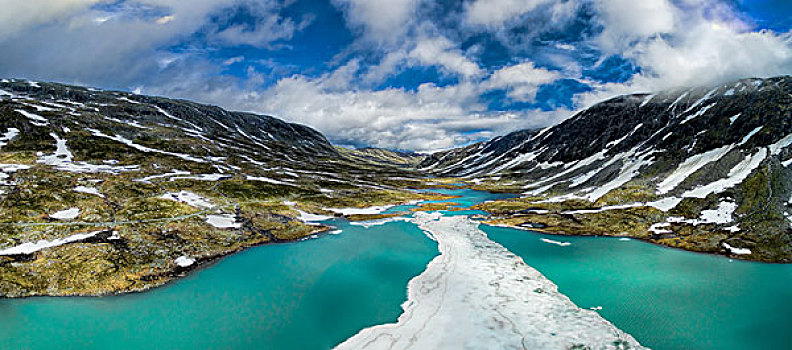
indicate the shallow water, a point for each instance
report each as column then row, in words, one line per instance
column 317, row 293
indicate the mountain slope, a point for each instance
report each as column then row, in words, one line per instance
column 704, row 169
column 125, row 192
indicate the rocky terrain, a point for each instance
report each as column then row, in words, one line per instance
column 104, row 192
column 704, row 169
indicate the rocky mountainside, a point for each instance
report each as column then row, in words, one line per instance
column 704, row 169
column 126, row 191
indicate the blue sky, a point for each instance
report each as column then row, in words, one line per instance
column 405, row 74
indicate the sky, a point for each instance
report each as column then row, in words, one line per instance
column 413, row 75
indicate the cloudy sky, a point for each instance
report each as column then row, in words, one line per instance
column 406, row 74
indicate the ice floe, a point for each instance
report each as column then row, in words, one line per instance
column 562, row 244
column 478, row 295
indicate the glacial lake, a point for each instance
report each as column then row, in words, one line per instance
column 317, row 293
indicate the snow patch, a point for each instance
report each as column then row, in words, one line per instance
column 223, row 221
column 88, row 190
column 67, row 214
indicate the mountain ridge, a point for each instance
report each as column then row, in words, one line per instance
column 695, row 160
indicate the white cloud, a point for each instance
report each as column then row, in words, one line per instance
column 521, row 80
column 495, row 12
column 704, row 43
column 442, row 52
column 17, row 15
column 627, row 20
column 381, row 20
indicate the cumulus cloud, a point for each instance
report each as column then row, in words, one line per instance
column 187, row 50
column 690, row 43
column 442, row 52
column 521, row 80
column 380, row 20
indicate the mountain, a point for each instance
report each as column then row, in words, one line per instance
column 126, row 191
column 704, row 169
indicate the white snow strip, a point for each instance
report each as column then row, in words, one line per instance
column 223, row 221
column 188, row 198
column 690, row 166
column 88, row 190
column 175, row 172
column 736, row 176
column 67, row 214
column 660, row 228
column 733, row 118
column 203, row 177
column 33, row 117
column 30, row 248
column 698, row 113
column 121, row 139
column 698, row 161
column 646, row 101
column 477, row 295
column 776, row 148
column 630, row 169
column 269, row 180
column 735, row 250
column 9, row 135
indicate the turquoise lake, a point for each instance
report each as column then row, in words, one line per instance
column 316, row 293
